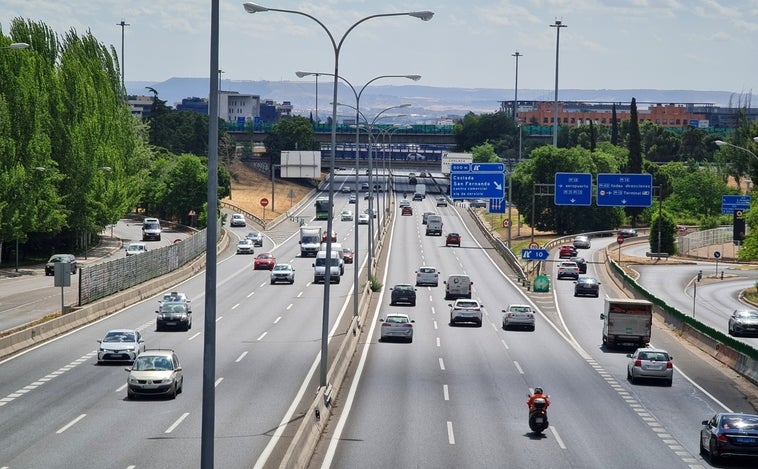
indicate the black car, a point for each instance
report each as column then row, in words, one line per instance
column 581, row 263
column 587, row 286
column 478, row 203
column 729, row 434
column 173, row 315
column 403, row 293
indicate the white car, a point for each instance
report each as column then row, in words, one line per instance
column 136, row 248
column 396, row 326
column 568, row 269
column 237, row 220
column 120, row 345
column 652, row 363
column 282, row 273
column 466, row 310
column 427, row 276
column 363, row 219
column 518, row 315
column 245, row 246
column 346, row 215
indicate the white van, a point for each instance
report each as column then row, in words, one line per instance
column 319, row 267
column 434, row 225
column 458, row 286
column 336, row 247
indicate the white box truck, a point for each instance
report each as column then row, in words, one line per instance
column 420, row 192
column 627, row 321
column 434, row 225
column 310, row 240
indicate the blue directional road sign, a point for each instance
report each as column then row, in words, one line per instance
column 534, row 254
column 497, row 206
column 625, row 190
column 573, row 189
column 731, row 203
column 477, row 181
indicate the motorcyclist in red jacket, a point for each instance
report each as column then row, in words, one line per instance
column 537, row 394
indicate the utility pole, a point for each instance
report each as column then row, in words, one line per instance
column 515, row 93
column 123, row 24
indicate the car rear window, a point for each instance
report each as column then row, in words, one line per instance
column 521, row 309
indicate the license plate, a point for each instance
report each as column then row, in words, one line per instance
column 171, row 323
column 538, row 420
column 742, row 439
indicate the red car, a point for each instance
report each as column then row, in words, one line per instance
column 334, row 236
column 347, row 255
column 567, row 251
column 407, row 211
column 264, row 261
column 453, row 238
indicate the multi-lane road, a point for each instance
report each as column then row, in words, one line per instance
column 454, row 397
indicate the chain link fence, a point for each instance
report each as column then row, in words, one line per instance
column 690, row 244
column 101, row 280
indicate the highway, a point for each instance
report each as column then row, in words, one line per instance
column 58, row 405
column 457, row 394
column 454, row 397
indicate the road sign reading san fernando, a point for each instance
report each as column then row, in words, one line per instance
column 573, row 189
column 477, row 181
column 624, row 190
column 732, row 203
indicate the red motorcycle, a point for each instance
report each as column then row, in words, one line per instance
column 538, row 416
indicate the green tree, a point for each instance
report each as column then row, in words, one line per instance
column 295, row 133
column 614, row 126
column 661, row 236
column 484, row 153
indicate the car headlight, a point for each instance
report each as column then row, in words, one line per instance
column 130, row 348
column 133, row 380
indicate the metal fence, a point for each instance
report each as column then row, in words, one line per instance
column 689, row 244
column 100, row 280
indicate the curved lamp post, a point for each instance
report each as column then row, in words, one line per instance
column 16, row 45
column 255, row 8
column 722, row 143
column 357, row 94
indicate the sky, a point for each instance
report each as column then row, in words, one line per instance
column 709, row 45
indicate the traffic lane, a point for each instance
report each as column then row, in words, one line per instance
column 720, row 298
column 470, row 340
column 680, row 418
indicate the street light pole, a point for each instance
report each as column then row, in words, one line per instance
column 123, row 24
column 422, row 15
column 515, row 88
column 558, row 25
column 722, row 143
column 357, row 95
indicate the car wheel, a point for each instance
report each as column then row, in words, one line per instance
column 174, row 391
column 669, row 382
column 410, row 340
column 413, row 303
column 576, row 294
column 479, row 324
column 702, row 448
column 130, row 395
column 632, row 379
column 392, row 303
column 181, row 386
column 713, row 452
column 291, row 282
column 533, row 327
column 272, row 282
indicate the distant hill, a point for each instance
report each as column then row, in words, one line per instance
column 428, row 102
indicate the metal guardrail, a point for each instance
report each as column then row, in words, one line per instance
column 500, row 247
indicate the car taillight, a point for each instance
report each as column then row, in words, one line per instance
column 722, row 438
column 408, row 325
column 384, row 324
column 669, row 364
column 638, row 362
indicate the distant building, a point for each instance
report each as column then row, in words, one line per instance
column 671, row 115
column 271, row 111
column 237, row 107
column 199, row 105
column 140, row 105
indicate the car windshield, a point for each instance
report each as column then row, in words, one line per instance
column 281, row 267
column 739, row 422
column 311, row 239
column 264, row 256
column 397, row 319
column 173, row 308
column 152, row 363
column 653, row 356
column 747, row 314
column 58, row 259
column 119, row 337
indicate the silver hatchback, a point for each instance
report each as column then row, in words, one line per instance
column 650, row 363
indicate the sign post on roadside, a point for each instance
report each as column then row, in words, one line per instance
column 264, row 203
column 620, row 241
